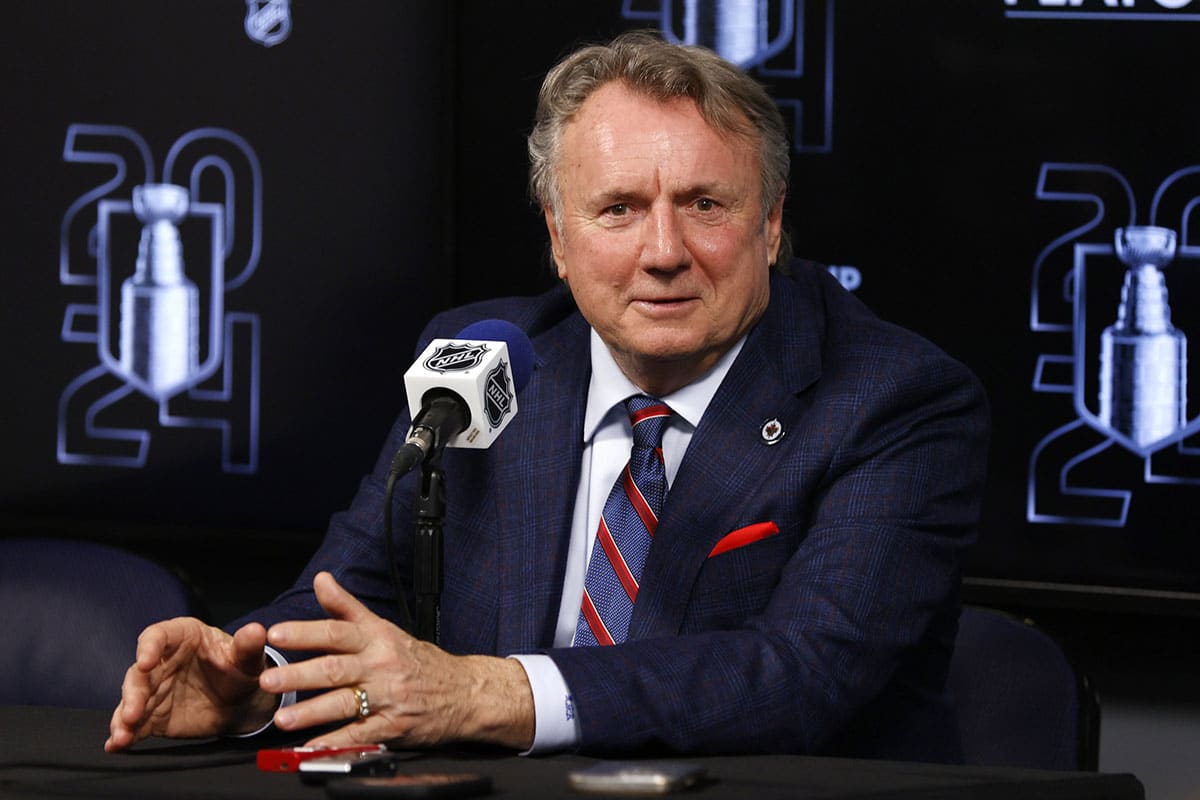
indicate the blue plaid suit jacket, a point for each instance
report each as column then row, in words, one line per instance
column 832, row 636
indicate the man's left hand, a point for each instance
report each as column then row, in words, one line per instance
column 417, row 693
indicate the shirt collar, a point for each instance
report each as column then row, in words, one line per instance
column 609, row 387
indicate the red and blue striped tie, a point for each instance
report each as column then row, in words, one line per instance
column 626, row 530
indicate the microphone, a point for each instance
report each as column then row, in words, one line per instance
column 462, row 391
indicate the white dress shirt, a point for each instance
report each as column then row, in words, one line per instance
column 607, row 442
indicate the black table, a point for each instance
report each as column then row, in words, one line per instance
column 54, row 752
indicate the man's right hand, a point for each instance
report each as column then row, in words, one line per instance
column 190, row 679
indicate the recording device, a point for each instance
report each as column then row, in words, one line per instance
column 356, row 761
column 462, row 391
column 288, row 759
column 424, row 784
column 636, row 777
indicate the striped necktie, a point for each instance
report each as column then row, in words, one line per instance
column 626, row 530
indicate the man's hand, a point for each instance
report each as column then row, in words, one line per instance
column 190, row 679
column 417, row 692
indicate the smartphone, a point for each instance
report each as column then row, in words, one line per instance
column 370, row 763
column 429, row 784
column 287, row 759
column 636, row 777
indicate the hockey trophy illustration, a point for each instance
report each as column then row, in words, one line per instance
column 158, row 342
column 790, row 42
column 159, row 306
column 737, row 29
column 1126, row 377
column 1143, row 357
column 150, row 258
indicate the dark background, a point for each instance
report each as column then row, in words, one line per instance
column 391, row 140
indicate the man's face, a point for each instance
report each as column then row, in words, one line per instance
column 663, row 241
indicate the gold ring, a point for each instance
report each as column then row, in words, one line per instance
column 360, row 698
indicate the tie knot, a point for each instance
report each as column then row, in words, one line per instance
column 649, row 417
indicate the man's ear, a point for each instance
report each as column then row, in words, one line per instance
column 774, row 229
column 556, row 249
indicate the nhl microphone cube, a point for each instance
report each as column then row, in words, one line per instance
column 479, row 372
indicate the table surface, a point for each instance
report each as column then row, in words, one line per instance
column 51, row 752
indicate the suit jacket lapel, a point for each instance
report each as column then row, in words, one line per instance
column 728, row 455
column 535, row 515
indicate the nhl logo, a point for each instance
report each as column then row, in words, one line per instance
column 498, row 395
column 456, row 357
column 268, row 22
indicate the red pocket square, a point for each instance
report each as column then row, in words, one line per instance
column 744, row 536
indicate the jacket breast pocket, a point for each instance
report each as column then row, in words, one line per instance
column 736, row 581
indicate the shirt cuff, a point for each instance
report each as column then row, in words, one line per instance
column 555, row 725
column 285, row 699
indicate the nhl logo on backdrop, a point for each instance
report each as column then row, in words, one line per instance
column 268, row 22
column 456, row 357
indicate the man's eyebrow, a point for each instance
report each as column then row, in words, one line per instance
column 613, row 195
column 608, row 197
column 707, row 187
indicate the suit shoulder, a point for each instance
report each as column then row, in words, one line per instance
column 535, row 315
column 861, row 352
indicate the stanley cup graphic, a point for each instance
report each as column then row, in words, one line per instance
column 1143, row 358
column 156, row 333
column 159, row 305
column 737, row 29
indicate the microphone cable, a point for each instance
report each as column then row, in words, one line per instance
column 389, row 546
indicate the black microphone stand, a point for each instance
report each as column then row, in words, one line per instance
column 428, row 550
column 443, row 416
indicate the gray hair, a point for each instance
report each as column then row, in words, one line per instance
column 727, row 98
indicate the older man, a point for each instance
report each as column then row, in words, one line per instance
column 728, row 517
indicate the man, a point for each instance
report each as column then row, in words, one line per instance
column 796, row 590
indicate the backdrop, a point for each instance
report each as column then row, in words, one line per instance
column 226, row 220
